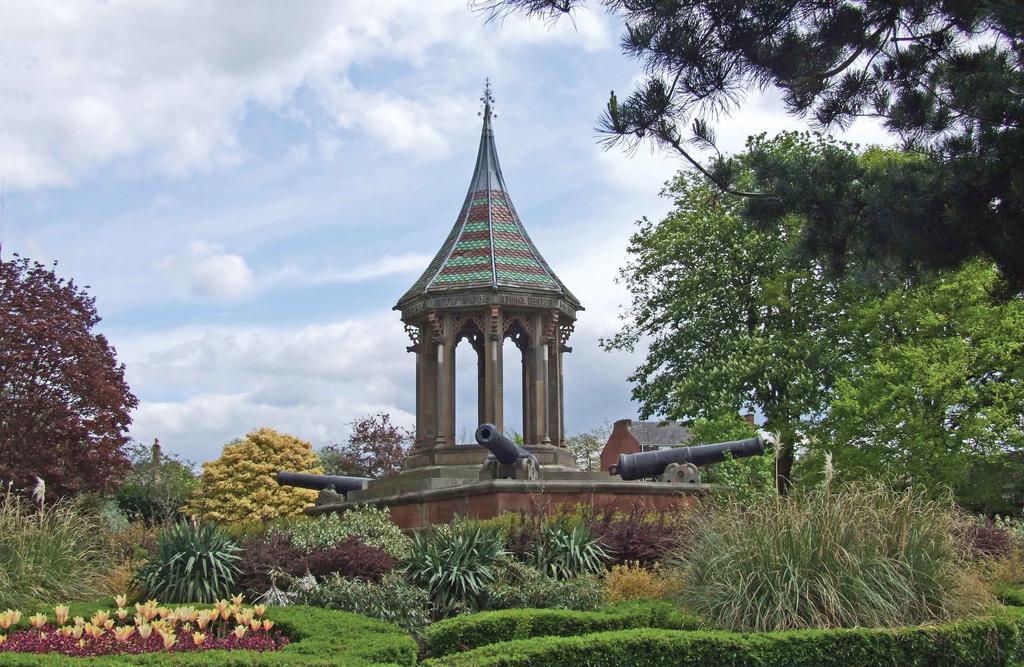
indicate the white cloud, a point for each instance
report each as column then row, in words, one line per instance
column 379, row 268
column 89, row 82
column 205, row 271
column 202, row 386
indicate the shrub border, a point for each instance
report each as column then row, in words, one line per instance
column 471, row 631
column 318, row 637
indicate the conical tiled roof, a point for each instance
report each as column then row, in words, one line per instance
column 488, row 247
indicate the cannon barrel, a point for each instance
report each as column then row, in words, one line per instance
column 504, row 450
column 650, row 464
column 306, row 480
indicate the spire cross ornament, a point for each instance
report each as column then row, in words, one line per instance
column 487, row 98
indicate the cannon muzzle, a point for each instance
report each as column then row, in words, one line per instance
column 502, row 448
column 507, row 460
column 336, row 483
column 651, row 464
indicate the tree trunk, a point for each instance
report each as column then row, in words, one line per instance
column 784, row 465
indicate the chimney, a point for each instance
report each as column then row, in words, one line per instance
column 750, row 418
column 621, row 441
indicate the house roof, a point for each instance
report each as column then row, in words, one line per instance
column 658, row 434
column 488, row 247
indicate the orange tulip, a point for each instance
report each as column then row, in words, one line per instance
column 124, row 632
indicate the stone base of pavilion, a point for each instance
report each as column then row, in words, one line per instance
column 438, row 485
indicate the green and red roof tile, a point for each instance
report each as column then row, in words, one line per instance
column 488, row 247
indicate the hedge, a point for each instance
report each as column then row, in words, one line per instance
column 474, row 630
column 1010, row 595
column 318, row 637
column 996, row 640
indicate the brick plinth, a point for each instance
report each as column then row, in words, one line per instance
column 487, row 499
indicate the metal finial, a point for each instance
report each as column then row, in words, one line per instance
column 487, row 98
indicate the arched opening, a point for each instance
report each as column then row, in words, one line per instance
column 513, row 348
column 468, row 383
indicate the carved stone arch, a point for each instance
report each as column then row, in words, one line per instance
column 519, row 332
column 469, row 327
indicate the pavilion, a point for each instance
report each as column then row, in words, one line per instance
column 488, row 283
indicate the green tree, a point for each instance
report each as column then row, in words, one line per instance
column 733, row 318
column 745, row 479
column 157, row 486
column 935, row 390
column 945, row 78
column 586, row 446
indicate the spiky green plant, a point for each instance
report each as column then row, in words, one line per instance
column 193, row 563
column 854, row 556
column 455, row 564
column 564, row 553
column 49, row 553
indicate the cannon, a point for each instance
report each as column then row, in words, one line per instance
column 507, row 460
column 329, row 486
column 679, row 464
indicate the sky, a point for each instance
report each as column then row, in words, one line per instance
column 248, row 187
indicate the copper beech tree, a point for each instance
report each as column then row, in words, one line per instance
column 375, row 448
column 64, row 402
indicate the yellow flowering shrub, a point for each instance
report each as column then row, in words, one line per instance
column 632, row 581
column 239, row 487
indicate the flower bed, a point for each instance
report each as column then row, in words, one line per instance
column 151, row 628
column 308, row 636
column 50, row 640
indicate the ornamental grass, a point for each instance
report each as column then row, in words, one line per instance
column 50, row 552
column 857, row 556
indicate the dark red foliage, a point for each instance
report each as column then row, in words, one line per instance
column 350, row 558
column 64, row 402
column 640, row 535
column 52, row 641
column 986, row 541
column 260, row 555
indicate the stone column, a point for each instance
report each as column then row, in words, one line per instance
column 446, row 385
column 481, row 384
column 539, row 354
column 561, row 394
column 492, row 361
column 426, row 389
column 527, row 387
column 556, row 429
